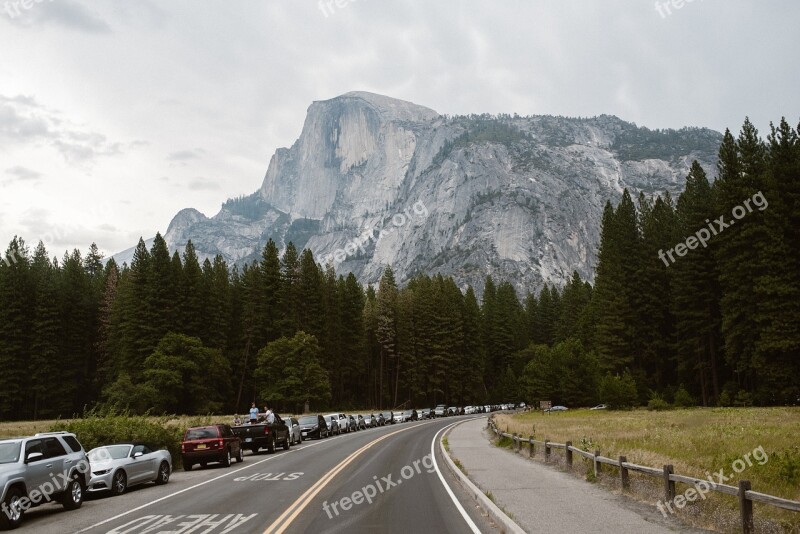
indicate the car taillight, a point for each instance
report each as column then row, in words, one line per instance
column 266, row 430
column 219, row 443
column 183, row 447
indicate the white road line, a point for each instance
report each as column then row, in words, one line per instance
column 473, row 527
column 165, row 497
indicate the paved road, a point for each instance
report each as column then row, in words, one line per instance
column 387, row 472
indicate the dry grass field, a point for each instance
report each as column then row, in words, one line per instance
column 697, row 442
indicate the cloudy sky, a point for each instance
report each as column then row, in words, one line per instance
column 116, row 115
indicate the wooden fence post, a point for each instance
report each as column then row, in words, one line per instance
column 597, row 467
column 669, row 485
column 746, row 506
column 569, row 453
column 623, row 473
column 531, row 450
column 514, row 442
column 546, row 451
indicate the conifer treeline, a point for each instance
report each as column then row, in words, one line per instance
column 169, row 333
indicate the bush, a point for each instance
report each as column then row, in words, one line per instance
column 618, row 392
column 683, row 398
column 725, row 399
column 100, row 427
column 657, row 403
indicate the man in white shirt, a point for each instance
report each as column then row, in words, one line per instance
column 269, row 415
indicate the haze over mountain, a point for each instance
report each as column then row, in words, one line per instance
column 519, row 198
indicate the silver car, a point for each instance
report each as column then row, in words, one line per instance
column 115, row 468
column 295, row 436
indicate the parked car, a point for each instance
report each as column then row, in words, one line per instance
column 599, row 407
column 361, row 423
column 453, row 410
column 410, row 415
column 213, row 443
column 27, row 464
column 397, row 417
column 332, row 420
column 388, row 417
column 370, row 420
column 440, row 411
column 314, row 426
column 425, row 413
column 295, row 435
column 352, row 423
column 117, row 467
column 344, row 423
column 381, row 420
column 264, row 435
column 557, row 409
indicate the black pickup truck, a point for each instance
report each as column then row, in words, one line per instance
column 264, row 436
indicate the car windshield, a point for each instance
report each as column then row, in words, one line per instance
column 407, row 412
column 112, row 452
column 308, row 420
column 9, row 452
column 201, row 433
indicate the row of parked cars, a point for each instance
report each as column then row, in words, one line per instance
column 53, row 467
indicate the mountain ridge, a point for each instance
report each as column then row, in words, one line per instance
column 516, row 197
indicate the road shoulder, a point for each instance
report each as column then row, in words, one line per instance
column 540, row 498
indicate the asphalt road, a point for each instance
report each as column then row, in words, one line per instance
column 377, row 480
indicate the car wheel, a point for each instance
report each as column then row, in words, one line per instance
column 240, row 456
column 286, row 444
column 187, row 466
column 163, row 473
column 203, row 465
column 119, row 483
column 73, row 496
column 13, row 512
column 271, row 446
column 226, row 460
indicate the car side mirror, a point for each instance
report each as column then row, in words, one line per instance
column 138, row 454
column 32, row 457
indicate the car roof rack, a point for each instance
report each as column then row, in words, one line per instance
column 56, row 433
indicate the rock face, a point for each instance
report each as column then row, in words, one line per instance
column 374, row 181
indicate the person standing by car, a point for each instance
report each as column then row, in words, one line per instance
column 269, row 416
column 253, row 414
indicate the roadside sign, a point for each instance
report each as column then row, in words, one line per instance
column 545, row 405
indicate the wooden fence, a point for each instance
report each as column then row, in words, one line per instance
column 743, row 492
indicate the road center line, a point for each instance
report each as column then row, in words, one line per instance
column 301, row 503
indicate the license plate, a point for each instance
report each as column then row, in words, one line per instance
column 202, row 447
column 248, row 440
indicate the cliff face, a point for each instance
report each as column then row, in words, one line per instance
column 374, row 181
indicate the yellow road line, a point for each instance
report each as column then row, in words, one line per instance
column 301, row 503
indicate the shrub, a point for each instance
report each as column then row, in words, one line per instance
column 100, row 427
column 657, row 403
column 617, row 391
column 683, row 398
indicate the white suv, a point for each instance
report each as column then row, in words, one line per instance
column 36, row 470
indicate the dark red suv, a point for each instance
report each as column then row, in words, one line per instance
column 214, row 443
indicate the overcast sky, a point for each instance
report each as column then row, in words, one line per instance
column 115, row 115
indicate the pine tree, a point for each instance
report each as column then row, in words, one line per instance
column 386, row 334
column 695, row 290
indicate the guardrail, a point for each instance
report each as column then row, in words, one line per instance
column 743, row 492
